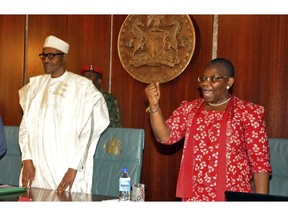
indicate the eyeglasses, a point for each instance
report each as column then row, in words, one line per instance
column 212, row 78
column 50, row 56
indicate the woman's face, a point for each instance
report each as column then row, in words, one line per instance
column 214, row 83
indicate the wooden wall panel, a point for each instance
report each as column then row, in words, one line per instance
column 12, row 33
column 258, row 47
column 89, row 39
column 160, row 163
column 39, row 27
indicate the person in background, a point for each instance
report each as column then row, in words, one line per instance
column 95, row 74
column 63, row 118
column 3, row 145
column 226, row 144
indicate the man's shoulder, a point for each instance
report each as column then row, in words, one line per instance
column 78, row 79
column 110, row 99
column 36, row 81
column 76, row 76
column 39, row 77
column 107, row 94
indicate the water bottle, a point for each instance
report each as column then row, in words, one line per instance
column 124, row 185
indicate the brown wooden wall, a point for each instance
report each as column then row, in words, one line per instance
column 256, row 44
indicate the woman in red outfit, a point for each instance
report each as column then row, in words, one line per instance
column 226, row 144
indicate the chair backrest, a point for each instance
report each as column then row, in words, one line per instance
column 117, row 148
column 10, row 164
column 3, row 146
column 279, row 161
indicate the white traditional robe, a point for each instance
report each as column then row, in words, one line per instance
column 60, row 128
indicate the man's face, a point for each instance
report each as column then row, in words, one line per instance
column 54, row 66
column 94, row 77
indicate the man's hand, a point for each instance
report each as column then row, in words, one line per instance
column 67, row 181
column 28, row 173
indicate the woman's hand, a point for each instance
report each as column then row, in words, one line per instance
column 153, row 95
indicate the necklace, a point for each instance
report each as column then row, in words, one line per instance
column 211, row 104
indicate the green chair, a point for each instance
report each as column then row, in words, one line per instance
column 10, row 164
column 278, row 184
column 3, row 146
column 117, row 148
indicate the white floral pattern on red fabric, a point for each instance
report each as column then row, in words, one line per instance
column 247, row 148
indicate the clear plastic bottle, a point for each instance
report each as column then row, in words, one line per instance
column 124, row 185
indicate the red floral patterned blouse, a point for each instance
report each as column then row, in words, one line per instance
column 247, row 148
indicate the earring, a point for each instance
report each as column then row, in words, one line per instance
column 227, row 87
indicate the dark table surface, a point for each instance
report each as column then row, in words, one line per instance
column 39, row 194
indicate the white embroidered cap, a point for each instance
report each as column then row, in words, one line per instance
column 54, row 42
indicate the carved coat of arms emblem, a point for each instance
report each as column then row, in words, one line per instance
column 113, row 146
column 156, row 48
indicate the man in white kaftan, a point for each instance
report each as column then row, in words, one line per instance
column 63, row 119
